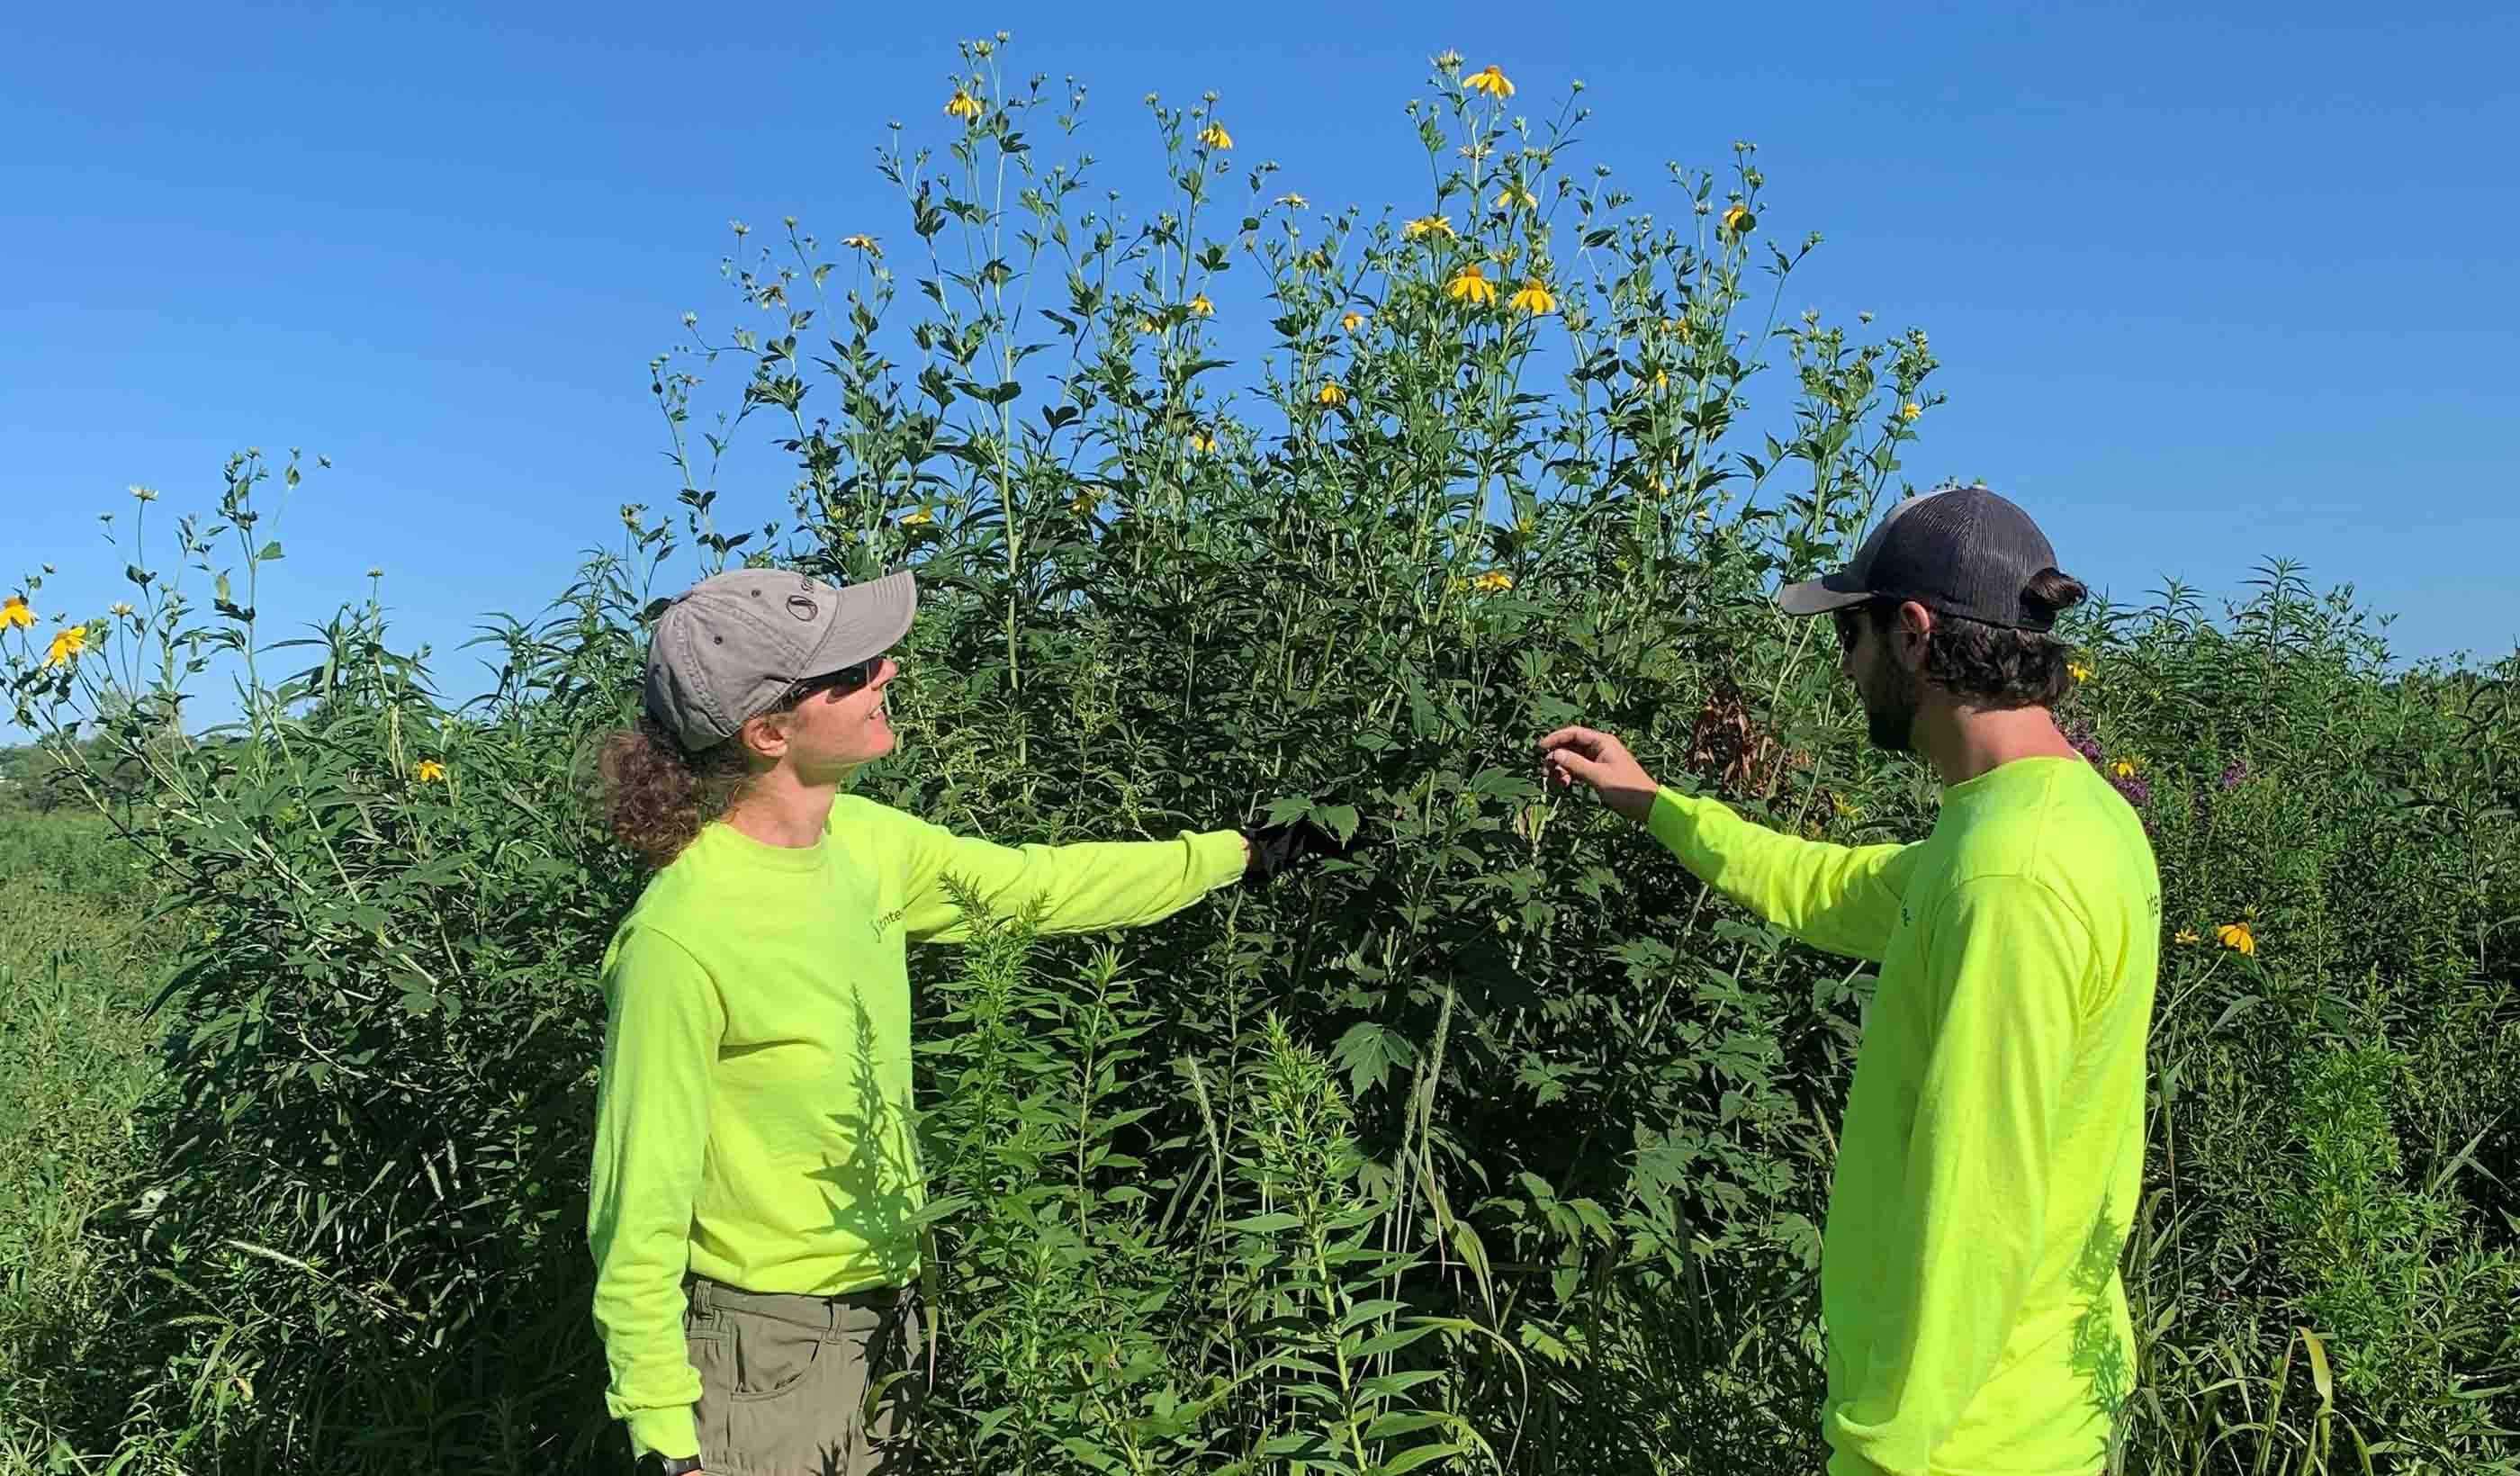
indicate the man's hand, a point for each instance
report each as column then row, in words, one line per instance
column 1603, row 762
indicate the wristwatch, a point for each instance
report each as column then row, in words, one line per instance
column 653, row 1464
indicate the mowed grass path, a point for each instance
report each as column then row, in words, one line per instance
column 79, row 962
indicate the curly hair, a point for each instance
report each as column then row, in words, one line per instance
column 656, row 796
column 1997, row 666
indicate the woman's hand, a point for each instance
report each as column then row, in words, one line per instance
column 1273, row 849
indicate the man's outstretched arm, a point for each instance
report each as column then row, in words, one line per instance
column 1841, row 898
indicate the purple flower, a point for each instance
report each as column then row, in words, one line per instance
column 2235, row 775
column 2080, row 735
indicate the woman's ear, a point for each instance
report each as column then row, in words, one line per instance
column 764, row 738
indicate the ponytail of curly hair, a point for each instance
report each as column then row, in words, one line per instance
column 656, row 797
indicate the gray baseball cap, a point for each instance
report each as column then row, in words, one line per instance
column 732, row 643
column 1958, row 551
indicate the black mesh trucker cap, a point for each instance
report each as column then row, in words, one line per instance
column 1957, row 551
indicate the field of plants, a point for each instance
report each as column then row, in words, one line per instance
column 1499, row 1145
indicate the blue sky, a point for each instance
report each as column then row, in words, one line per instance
column 2210, row 283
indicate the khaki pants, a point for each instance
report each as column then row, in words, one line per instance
column 805, row 1386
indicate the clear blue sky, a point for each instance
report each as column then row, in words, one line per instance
column 2210, row 283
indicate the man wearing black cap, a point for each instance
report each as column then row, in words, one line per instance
column 1992, row 1148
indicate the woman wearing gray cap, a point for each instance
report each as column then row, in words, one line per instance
column 754, row 1184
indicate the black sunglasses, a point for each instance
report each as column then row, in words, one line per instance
column 838, row 684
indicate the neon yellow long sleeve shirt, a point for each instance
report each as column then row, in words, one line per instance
column 1992, row 1149
column 752, row 1119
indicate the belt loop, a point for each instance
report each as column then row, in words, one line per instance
column 699, row 1294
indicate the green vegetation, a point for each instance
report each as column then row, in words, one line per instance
column 1501, row 1146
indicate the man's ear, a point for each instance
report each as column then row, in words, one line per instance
column 1912, row 629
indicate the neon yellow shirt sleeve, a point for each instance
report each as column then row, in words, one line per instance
column 2004, row 966
column 1844, row 899
column 1084, row 887
column 651, row 1120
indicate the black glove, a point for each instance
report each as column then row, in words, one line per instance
column 1279, row 848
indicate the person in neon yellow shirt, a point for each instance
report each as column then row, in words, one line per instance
column 1992, row 1148
column 755, row 1181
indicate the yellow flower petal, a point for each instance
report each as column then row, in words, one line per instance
column 919, row 519
column 1202, row 306
column 1534, row 297
column 2078, row 671
column 866, row 244
column 2237, row 937
column 18, row 614
column 1489, row 80
column 1472, row 285
column 431, row 771
column 1352, row 322
column 1910, row 411
column 1428, row 225
column 68, row 642
column 1215, row 137
column 2184, row 936
column 962, row 104
column 1737, row 218
column 1332, row 393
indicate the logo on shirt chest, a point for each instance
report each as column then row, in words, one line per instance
column 886, row 923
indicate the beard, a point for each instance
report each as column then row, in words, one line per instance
column 1890, row 710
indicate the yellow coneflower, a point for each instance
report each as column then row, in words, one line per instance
column 1332, row 393
column 1910, row 411
column 1489, row 80
column 1202, row 306
column 1472, row 285
column 1201, row 444
column 962, row 104
column 1428, row 225
column 1737, row 218
column 2238, row 938
column 1294, row 200
column 1215, row 137
column 68, row 642
column 1351, row 322
column 866, row 244
column 18, row 614
column 431, row 771
column 1534, row 299
column 2078, row 671
column 919, row 519
column 1512, row 196
column 1493, row 582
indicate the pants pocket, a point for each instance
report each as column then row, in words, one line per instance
column 769, row 1358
